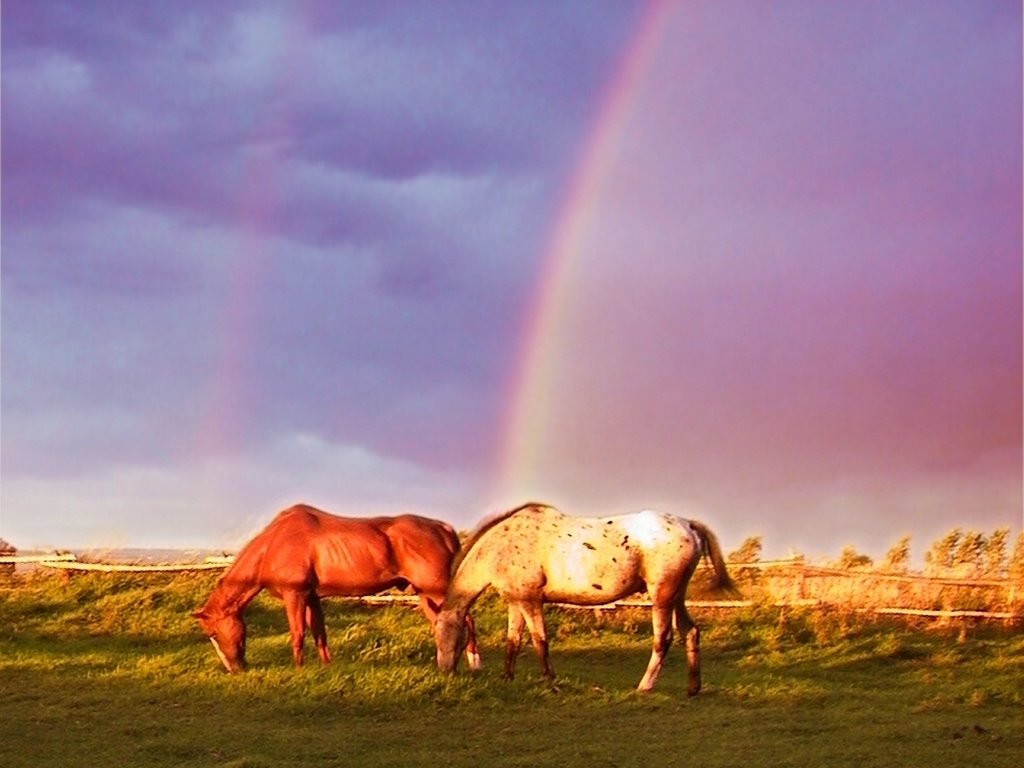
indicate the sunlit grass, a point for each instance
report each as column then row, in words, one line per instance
column 108, row 670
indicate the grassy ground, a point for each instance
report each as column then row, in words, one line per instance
column 101, row 669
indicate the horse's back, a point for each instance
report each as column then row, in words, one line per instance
column 362, row 555
column 586, row 560
column 302, row 522
column 308, row 548
column 417, row 528
column 650, row 528
column 423, row 550
column 537, row 552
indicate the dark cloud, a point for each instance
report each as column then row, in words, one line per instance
column 174, row 109
column 153, row 154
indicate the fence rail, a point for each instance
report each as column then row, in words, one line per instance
column 70, row 562
column 130, row 567
column 820, row 570
column 48, row 558
column 387, row 599
column 952, row 614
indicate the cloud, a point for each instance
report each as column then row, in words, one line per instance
column 226, row 227
column 222, row 501
column 165, row 334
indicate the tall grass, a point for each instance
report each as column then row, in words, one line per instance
column 867, row 588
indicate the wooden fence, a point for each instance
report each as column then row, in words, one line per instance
column 781, row 583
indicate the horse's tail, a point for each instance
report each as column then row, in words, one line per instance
column 722, row 581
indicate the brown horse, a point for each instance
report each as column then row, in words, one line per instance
column 305, row 554
column 535, row 554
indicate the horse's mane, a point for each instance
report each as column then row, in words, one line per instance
column 485, row 526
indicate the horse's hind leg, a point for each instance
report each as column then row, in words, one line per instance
column 688, row 629
column 295, row 609
column 534, row 615
column 315, row 621
column 661, row 621
column 514, row 639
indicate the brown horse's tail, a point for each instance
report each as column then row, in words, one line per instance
column 722, row 581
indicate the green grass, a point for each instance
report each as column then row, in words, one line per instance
column 111, row 670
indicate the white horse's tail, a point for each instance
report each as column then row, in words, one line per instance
column 722, row 581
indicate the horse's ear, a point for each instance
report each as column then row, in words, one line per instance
column 200, row 614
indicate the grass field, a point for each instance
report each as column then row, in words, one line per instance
column 110, row 670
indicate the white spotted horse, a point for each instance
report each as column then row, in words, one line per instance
column 535, row 554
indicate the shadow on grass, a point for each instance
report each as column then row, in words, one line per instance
column 114, row 705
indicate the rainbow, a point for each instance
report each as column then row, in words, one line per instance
column 529, row 397
column 247, row 274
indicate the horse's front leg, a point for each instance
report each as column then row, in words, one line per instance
column 295, row 609
column 472, row 649
column 661, row 621
column 514, row 639
column 534, row 614
column 315, row 621
column 430, row 605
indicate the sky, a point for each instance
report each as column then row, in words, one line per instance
column 756, row 264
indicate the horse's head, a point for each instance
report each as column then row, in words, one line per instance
column 227, row 633
column 450, row 638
